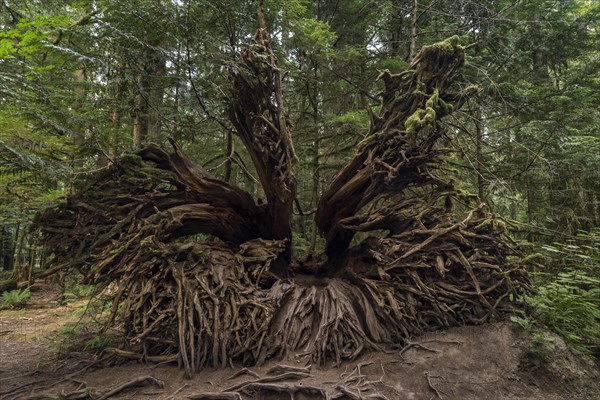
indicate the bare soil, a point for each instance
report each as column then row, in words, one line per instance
column 492, row 361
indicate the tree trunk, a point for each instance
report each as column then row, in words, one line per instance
column 314, row 192
column 316, row 100
column 13, row 250
column 400, row 148
column 2, row 248
column 140, row 116
column 117, row 109
column 412, row 51
column 479, row 154
column 149, row 95
column 19, row 267
column 257, row 114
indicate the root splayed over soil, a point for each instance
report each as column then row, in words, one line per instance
column 490, row 361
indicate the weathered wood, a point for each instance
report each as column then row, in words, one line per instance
column 400, row 151
column 256, row 111
column 213, row 303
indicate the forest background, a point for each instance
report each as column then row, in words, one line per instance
column 83, row 82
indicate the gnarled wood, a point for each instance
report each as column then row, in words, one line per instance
column 154, row 196
column 256, row 111
column 213, row 303
column 399, row 152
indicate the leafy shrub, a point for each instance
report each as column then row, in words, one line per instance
column 15, row 298
column 76, row 292
column 81, row 336
column 567, row 300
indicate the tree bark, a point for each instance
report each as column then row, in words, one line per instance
column 149, row 95
column 117, row 109
column 479, row 154
column 412, row 51
column 400, row 149
column 259, row 119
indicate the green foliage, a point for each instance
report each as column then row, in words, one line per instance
column 568, row 300
column 81, row 337
column 78, row 291
column 27, row 37
column 33, row 169
column 15, row 298
column 87, row 333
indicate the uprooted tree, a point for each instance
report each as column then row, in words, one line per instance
column 246, row 298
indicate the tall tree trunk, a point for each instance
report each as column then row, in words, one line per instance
column 149, row 94
column 412, row 51
column 2, row 248
column 140, row 118
column 119, row 88
column 316, row 100
column 156, row 94
column 13, row 251
column 18, row 271
column 316, row 177
column 396, row 27
column 479, row 154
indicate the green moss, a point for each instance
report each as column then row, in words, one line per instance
column 449, row 45
column 434, row 100
column 130, row 160
column 423, row 118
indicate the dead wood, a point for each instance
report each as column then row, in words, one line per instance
column 215, row 396
column 139, row 381
column 214, row 303
column 256, row 111
column 269, row 379
column 400, row 151
column 8, row 284
column 244, row 371
column 280, row 369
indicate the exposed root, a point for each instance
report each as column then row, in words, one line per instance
column 244, row 371
column 437, row 392
column 173, row 395
column 139, row 381
column 262, row 390
column 327, row 318
column 215, row 303
column 215, row 396
column 269, row 379
column 281, row 369
column 421, row 345
column 196, row 301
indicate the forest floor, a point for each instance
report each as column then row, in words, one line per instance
column 492, row 361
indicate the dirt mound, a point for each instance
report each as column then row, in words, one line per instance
column 493, row 361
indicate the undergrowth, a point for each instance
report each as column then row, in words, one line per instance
column 14, row 298
column 567, row 293
column 87, row 334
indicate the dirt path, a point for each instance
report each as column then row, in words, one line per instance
column 494, row 361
